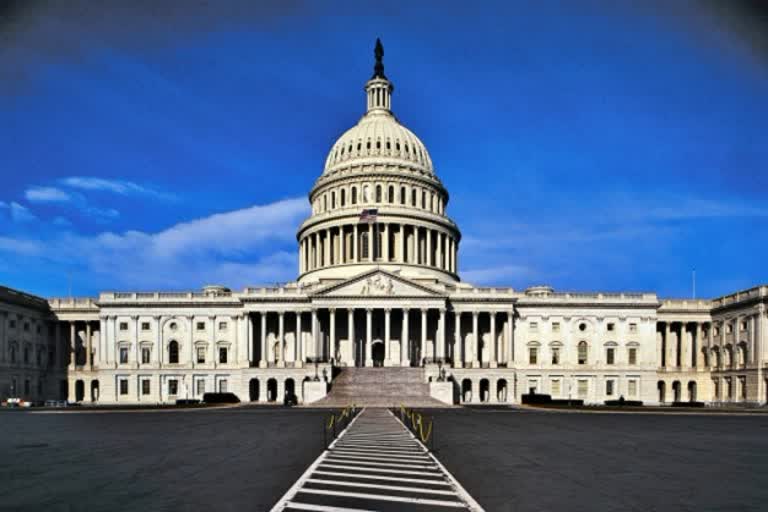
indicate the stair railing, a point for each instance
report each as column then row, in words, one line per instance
column 420, row 425
column 334, row 424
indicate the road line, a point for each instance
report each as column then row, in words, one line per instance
column 347, row 483
column 323, row 508
column 381, row 477
column 385, row 497
column 376, row 470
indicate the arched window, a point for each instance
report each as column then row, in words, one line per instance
column 432, row 202
column 354, row 195
column 13, row 353
column 582, row 352
column 333, row 199
column 388, row 146
column 173, row 352
column 343, row 197
column 413, row 197
column 397, row 146
column 402, row 195
column 742, row 354
column 378, row 193
column 423, row 199
column 364, row 245
column 325, row 203
column 378, row 144
column 359, row 146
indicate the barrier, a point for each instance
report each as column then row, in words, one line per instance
column 420, row 425
column 335, row 424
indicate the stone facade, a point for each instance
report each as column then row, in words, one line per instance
column 378, row 285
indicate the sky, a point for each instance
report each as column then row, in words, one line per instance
column 590, row 146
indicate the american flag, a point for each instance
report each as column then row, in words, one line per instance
column 369, row 215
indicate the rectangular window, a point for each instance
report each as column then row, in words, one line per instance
column 123, row 326
column 555, row 355
column 632, row 388
column 632, row 355
column 633, row 327
column 609, row 385
column 26, row 326
column 145, row 353
column 582, row 387
column 222, row 326
column 533, row 355
column 611, row 327
column 223, row 386
column 533, row 387
column 144, row 326
column 610, row 355
column 123, row 386
column 743, row 387
column 743, row 326
column 145, row 386
column 27, row 387
column 728, row 328
column 555, row 326
column 200, row 387
column 222, row 355
column 555, row 388
column 12, row 324
column 534, row 326
column 200, row 354
column 173, row 387
column 200, row 326
column 123, row 355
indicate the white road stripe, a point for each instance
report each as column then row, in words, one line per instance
column 374, row 453
column 347, row 483
column 385, row 497
column 381, row 477
column 378, row 458
column 334, row 458
column 379, row 470
column 323, row 508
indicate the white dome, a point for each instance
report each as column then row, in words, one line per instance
column 380, row 137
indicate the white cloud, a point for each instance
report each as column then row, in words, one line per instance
column 121, row 187
column 498, row 275
column 21, row 213
column 237, row 248
column 46, row 194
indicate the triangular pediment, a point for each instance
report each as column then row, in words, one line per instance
column 377, row 283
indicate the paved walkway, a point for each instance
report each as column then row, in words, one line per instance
column 376, row 465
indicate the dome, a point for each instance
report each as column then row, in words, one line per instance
column 380, row 137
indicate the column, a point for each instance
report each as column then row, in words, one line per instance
column 510, row 342
column 314, row 334
column 476, row 343
column 458, row 346
column 385, row 245
column 72, row 345
column 668, row 361
column 413, row 253
column 102, row 339
column 449, row 256
column 263, row 343
column 685, row 361
column 368, row 327
column 280, row 340
column 327, row 248
column 111, row 340
column 137, row 355
column 439, row 263
column 191, row 320
column 428, row 233
column 342, row 246
column 89, row 346
column 371, row 256
column 402, row 243
column 4, row 340
column 158, row 342
column 424, row 353
column 404, row 361
column 332, row 340
column 351, row 335
column 299, row 349
column 355, row 244
column 441, row 336
column 492, row 348
column 387, row 348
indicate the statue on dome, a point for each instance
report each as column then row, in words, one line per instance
column 378, row 68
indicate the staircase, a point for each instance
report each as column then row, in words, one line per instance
column 380, row 387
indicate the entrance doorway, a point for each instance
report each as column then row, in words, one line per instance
column 377, row 353
column 253, row 390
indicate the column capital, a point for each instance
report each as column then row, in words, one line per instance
column 157, row 317
column 332, row 311
column 134, row 317
column 368, row 311
column 387, row 310
column 475, row 314
column 424, row 310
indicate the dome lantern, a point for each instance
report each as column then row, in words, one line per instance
column 378, row 89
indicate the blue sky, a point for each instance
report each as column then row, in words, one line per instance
column 589, row 146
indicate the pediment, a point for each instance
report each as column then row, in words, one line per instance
column 377, row 283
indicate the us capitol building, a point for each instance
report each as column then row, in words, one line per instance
column 378, row 286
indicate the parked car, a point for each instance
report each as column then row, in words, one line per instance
column 55, row 403
column 16, row 402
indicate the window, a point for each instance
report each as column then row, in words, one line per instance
column 632, row 355
column 717, row 331
column 743, row 388
column 173, row 326
column 222, row 355
column 533, row 354
column 200, row 326
column 611, row 327
column 363, row 245
column 223, row 386
column 555, row 326
column 582, row 387
column 610, row 355
column 582, row 352
column 173, row 352
column 728, row 328
column 743, row 326
column 391, row 194
column 632, row 327
column 123, row 355
column 582, row 327
column 37, row 329
column 222, row 326
column 413, row 197
column 12, row 324
column 200, row 386
column 534, row 326
column 123, row 386
column 343, row 197
column 632, row 388
column 354, row 195
column 555, row 387
column 145, row 386
column 26, row 355
column 402, row 195
column 39, row 357
column 609, row 387
column 378, row 193
column 13, row 354
column 27, row 387
column 555, row 355
column 200, row 355
column 144, row 326
column 123, row 326
column 173, row 387
column 145, row 355
column 26, row 326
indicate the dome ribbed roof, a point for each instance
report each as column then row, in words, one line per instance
column 379, row 138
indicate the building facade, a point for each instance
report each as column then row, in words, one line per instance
column 378, row 285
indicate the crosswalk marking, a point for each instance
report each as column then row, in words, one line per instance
column 376, row 463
